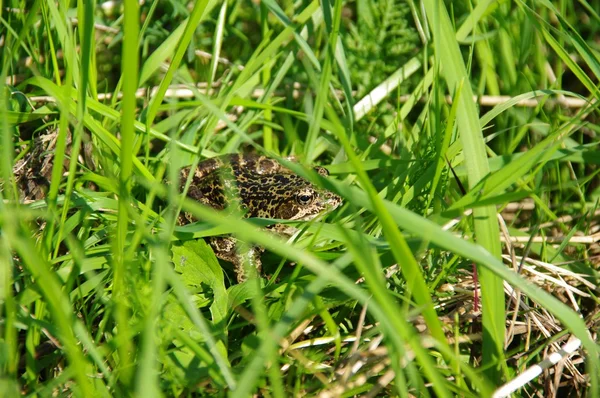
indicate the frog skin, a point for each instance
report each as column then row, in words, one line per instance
column 259, row 186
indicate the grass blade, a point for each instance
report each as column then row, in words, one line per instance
column 487, row 232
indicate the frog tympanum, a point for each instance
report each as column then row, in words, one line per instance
column 260, row 187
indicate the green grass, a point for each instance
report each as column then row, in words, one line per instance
column 101, row 293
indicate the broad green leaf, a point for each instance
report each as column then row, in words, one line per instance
column 197, row 264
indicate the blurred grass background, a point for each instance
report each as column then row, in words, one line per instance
column 462, row 136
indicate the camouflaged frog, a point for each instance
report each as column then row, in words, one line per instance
column 260, row 187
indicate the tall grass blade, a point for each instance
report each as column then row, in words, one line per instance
column 484, row 219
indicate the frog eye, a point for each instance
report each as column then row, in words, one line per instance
column 304, row 198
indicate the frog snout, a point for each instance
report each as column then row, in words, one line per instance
column 331, row 201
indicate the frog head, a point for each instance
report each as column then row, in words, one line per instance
column 301, row 200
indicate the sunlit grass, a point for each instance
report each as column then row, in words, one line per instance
column 102, row 293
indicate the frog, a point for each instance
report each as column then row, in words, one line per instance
column 256, row 186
